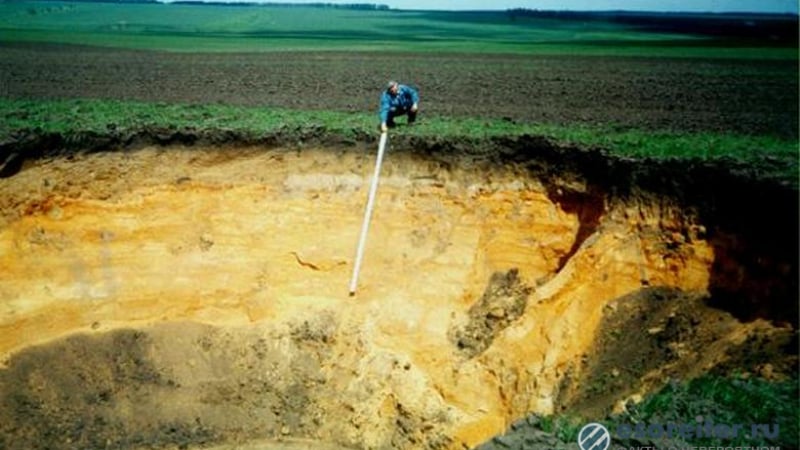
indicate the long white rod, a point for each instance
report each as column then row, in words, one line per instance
column 362, row 241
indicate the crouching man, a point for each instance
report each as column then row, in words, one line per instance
column 398, row 100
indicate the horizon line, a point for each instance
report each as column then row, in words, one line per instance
column 384, row 7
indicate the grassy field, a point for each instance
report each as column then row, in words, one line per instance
column 60, row 116
column 214, row 28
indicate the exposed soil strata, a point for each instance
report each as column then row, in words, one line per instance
column 195, row 295
column 751, row 220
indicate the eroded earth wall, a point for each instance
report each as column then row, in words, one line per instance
column 193, row 295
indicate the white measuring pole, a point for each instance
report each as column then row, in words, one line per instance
column 373, row 189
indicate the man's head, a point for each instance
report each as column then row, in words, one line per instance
column 391, row 87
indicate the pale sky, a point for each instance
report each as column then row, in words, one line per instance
column 585, row 5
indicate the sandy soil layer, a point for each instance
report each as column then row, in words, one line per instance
column 197, row 296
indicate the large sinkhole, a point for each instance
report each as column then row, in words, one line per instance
column 191, row 297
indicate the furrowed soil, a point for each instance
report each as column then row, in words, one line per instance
column 745, row 97
column 164, row 292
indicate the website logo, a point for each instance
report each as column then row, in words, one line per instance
column 594, row 436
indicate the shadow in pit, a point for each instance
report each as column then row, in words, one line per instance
column 655, row 334
column 10, row 164
column 76, row 393
column 193, row 385
column 751, row 222
column 753, row 228
column 178, row 385
column 587, row 206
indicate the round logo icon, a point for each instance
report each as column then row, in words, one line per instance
column 594, row 436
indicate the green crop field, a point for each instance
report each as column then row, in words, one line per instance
column 182, row 27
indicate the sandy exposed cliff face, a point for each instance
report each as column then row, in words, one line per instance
column 188, row 296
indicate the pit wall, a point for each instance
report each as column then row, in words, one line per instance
column 258, row 246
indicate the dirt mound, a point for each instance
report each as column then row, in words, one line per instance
column 196, row 295
column 658, row 334
column 174, row 384
column 90, row 392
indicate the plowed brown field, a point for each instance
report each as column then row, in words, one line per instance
column 742, row 96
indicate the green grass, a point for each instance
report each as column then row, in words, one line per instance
column 728, row 400
column 69, row 116
column 564, row 427
column 724, row 400
column 194, row 28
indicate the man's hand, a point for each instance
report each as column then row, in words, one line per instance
column 414, row 107
column 384, row 128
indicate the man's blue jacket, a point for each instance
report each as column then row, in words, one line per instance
column 400, row 103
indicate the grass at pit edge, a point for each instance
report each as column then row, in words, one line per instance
column 775, row 158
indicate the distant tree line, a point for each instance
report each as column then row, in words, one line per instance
column 777, row 28
column 111, row 1
column 358, row 6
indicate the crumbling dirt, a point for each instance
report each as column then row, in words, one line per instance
column 195, row 296
column 658, row 334
column 502, row 303
column 177, row 384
